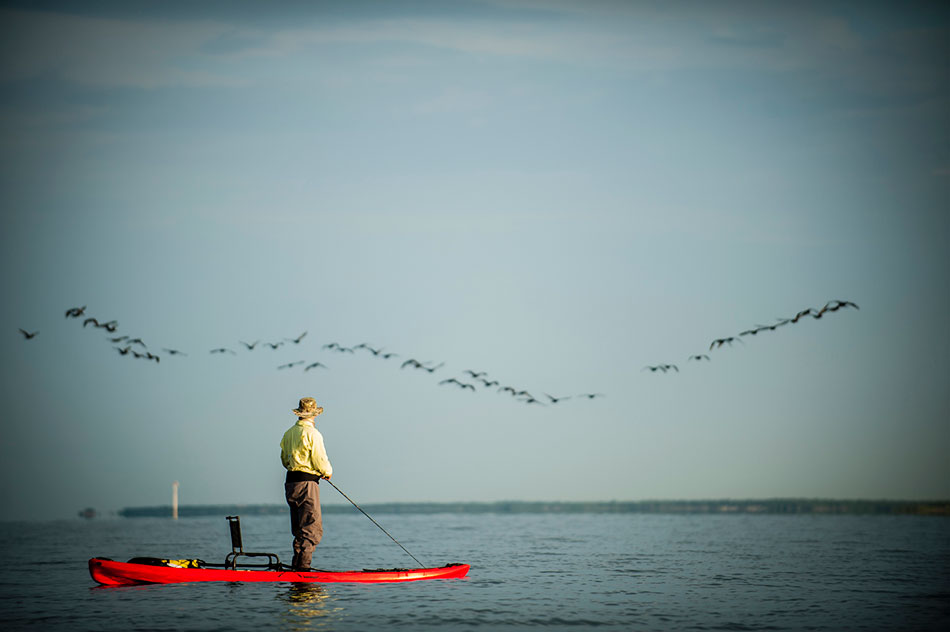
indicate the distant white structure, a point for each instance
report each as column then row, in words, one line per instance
column 175, row 500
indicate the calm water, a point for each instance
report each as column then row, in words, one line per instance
column 614, row 572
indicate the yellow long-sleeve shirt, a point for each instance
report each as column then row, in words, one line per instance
column 302, row 450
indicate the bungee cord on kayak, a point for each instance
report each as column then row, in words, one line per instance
column 374, row 522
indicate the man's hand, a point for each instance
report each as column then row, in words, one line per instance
column 327, row 476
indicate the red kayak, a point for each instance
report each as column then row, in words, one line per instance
column 112, row 573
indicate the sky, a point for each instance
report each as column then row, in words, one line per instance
column 560, row 194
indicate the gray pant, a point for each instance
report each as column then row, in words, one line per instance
column 306, row 522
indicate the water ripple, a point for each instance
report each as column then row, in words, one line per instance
column 616, row 572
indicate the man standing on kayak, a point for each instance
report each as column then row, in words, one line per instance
column 303, row 454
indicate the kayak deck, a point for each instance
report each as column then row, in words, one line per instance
column 111, row 573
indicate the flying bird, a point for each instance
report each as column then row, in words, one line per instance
column 222, row 350
column 721, row 341
column 274, row 345
column 662, row 367
column 474, row 374
column 431, row 369
column 174, row 352
column 591, row 395
column 411, row 362
column 835, row 305
column 554, row 399
column 297, row 340
column 119, row 339
column 802, row 314
column 149, row 356
column 831, row 306
column 700, row 356
column 315, row 365
column 758, row 328
column 28, row 335
column 75, row 312
column 461, row 385
column 123, row 350
column 137, row 341
column 290, row 365
column 250, row 346
column 388, row 355
column 110, row 326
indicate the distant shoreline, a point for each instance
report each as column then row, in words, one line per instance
column 726, row 506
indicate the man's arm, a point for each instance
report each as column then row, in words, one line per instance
column 318, row 457
column 284, row 457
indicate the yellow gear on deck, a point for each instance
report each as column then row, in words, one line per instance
column 183, row 563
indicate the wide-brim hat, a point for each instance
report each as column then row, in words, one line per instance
column 308, row 408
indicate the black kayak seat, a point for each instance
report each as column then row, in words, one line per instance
column 237, row 549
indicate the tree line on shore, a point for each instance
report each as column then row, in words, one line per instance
column 726, row 506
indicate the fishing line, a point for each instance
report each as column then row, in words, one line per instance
column 374, row 522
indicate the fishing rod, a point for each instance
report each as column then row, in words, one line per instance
column 374, row 522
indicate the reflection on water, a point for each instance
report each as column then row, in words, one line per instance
column 309, row 607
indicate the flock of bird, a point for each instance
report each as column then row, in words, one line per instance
column 718, row 343
column 468, row 380
column 475, row 381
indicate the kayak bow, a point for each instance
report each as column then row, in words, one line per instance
column 111, row 573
